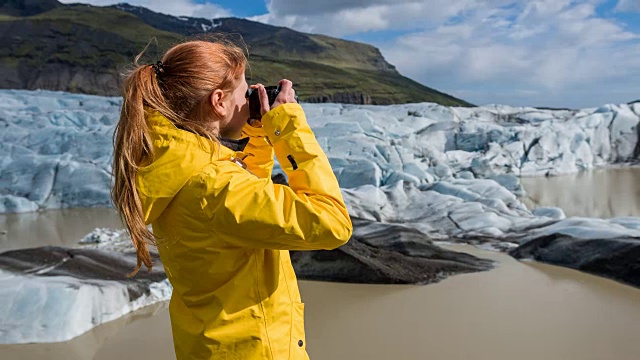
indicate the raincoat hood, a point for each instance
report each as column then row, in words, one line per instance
column 160, row 181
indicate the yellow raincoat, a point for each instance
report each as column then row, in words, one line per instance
column 224, row 233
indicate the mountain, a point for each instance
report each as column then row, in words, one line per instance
column 27, row 7
column 82, row 48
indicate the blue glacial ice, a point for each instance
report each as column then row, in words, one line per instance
column 56, row 147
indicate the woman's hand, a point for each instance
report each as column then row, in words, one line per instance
column 286, row 95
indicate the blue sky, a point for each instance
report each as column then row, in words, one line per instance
column 557, row 53
column 244, row 8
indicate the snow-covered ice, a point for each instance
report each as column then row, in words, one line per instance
column 56, row 147
column 59, row 308
column 54, row 294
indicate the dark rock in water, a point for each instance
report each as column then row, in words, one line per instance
column 615, row 258
column 385, row 254
column 377, row 253
column 83, row 264
column 54, row 294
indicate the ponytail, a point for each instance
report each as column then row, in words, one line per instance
column 132, row 146
column 178, row 86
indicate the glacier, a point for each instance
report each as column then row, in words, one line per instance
column 450, row 173
column 56, row 147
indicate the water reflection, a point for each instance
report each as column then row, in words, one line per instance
column 64, row 227
column 603, row 193
column 87, row 345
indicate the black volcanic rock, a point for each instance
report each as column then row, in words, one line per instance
column 385, row 254
column 377, row 253
column 83, row 264
column 53, row 294
column 614, row 258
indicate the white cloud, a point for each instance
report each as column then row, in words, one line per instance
column 550, row 47
column 553, row 47
column 628, row 5
column 346, row 21
column 314, row 8
column 340, row 18
column 173, row 7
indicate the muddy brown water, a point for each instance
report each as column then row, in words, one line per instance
column 517, row 311
column 602, row 193
column 520, row 310
column 65, row 227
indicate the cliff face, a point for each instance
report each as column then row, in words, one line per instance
column 85, row 49
column 60, row 77
column 342, row 97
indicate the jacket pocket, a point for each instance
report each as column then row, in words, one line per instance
column 298, row 341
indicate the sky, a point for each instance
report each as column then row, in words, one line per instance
column 553, row 53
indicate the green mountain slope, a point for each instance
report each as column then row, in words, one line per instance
column 26, row 7
column 83, row 48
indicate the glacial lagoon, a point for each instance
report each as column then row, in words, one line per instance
column 520, row 310
column 601, row 193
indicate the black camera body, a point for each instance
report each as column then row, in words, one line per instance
column 254, row 100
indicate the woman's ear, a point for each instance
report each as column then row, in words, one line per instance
column 218, row 104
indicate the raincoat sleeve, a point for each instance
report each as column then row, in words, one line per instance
column 260, row 152
column 309, row 214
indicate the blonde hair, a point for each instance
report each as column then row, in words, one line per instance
column 179, row 89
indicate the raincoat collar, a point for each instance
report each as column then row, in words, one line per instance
column 235, row 145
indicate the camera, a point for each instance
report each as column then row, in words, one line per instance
column 254, row 100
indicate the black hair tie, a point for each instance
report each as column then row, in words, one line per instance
column 158, row 67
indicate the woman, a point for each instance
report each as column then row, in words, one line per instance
column 223, row 229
